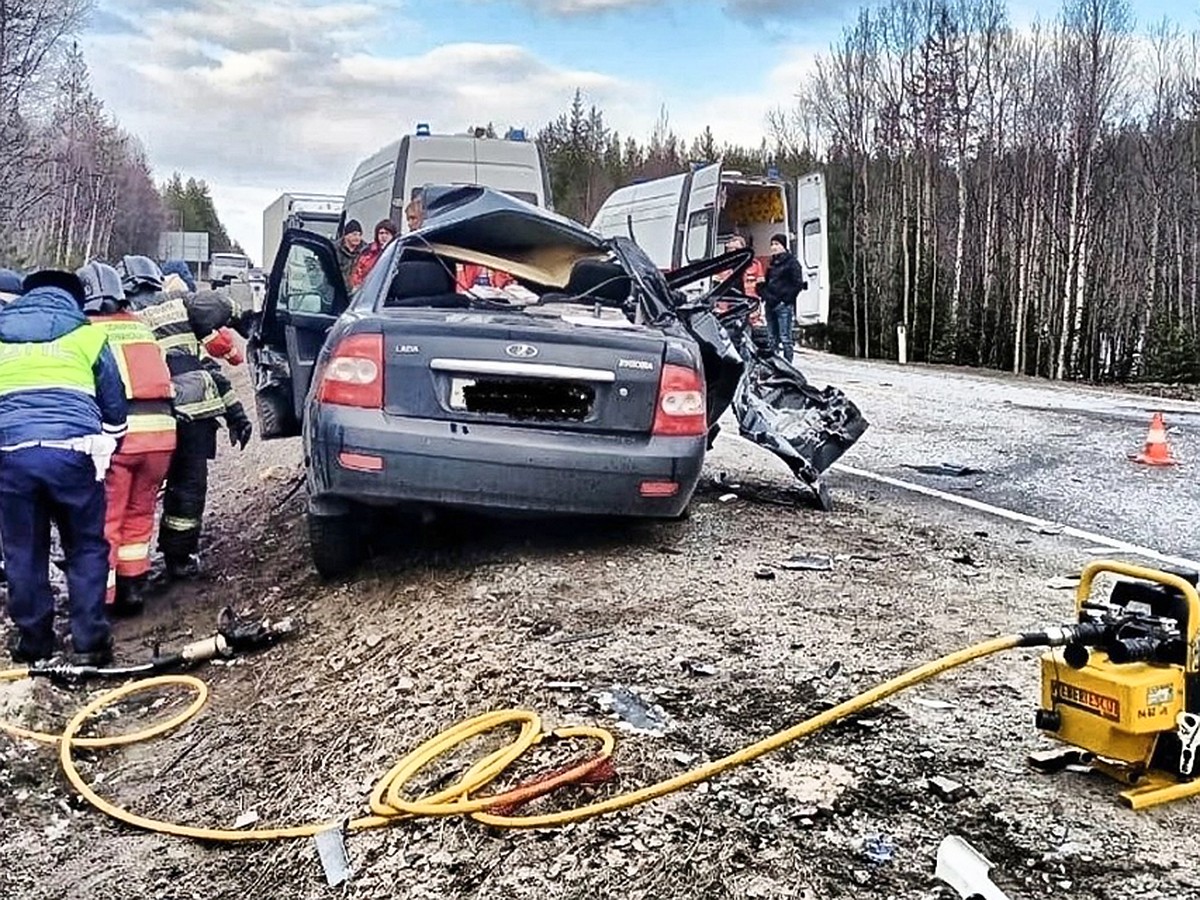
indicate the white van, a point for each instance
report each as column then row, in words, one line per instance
column 687, row 218
column 384, row 183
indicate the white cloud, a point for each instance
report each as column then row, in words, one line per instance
column 282, row 95
column 586, row 7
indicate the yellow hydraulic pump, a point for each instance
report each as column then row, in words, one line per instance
column 1124, row 686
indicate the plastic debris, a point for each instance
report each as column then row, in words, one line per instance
column 246, row 819
column 331, row 848
column 966, row 870
column 727, row 498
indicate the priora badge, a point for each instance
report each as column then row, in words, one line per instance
column 521, row 351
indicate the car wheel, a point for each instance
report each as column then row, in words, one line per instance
column 275, row 416
column 336, row 544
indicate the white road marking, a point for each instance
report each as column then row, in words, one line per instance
column 1091, row 537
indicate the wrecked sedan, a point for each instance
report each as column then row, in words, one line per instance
column 587, row 386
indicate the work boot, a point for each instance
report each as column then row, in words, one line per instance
column 25, row 650
column 96, row 657
column 130, row 599
column 183, row 568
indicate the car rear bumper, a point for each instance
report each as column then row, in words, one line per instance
column 494, row 467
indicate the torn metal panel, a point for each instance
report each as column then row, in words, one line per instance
column 271, row 369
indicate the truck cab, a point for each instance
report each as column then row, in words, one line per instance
column 687, row 218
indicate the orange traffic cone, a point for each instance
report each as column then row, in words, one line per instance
column 1156, row 453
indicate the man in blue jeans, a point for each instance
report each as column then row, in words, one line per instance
column 779, row 290
column 62, row 412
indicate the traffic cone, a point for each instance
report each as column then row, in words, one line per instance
column 1156, row 452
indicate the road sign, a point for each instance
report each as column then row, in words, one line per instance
column 190, row 246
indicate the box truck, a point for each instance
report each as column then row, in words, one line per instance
column 687, row 218
column 312, row 212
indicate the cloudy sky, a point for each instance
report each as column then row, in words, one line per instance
column 259, row 97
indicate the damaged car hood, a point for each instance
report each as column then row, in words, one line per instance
column 776, row 407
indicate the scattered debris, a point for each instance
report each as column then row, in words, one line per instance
column 246, row 819
column 947, row 470
column 1049, row 529
column 965, row 559
column 670, row 551
column 579, row 638
column 804, row 562
column 948, row 789
column 879, row 849
column 1063, row 583
column 934, row 704
column 564, row 685
column 727, row 498
column 1056, row 759
column 764, row 573
column 694, row 667
column 635, row 713
column 686, row 759
column 373, row 640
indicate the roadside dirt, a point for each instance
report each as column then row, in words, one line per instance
column 474, row 616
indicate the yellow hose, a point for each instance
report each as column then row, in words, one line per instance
column 387, row 804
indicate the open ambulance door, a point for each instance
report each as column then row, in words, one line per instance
column 698, row 228
column 812, row 249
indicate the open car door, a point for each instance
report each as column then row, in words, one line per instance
column 812, row 229
column 305, row 295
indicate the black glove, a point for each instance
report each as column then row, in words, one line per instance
column 240, row 429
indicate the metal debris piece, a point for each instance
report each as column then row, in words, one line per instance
column 331, row 848
column 245, row 820
column 947, row 470
column 807, row 562
column 948, row 789
column 1056, row 759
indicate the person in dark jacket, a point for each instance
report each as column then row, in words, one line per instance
column 385, row 233
column 192, row 330
column 62, row 414
column 779, row 290
column 349, row 248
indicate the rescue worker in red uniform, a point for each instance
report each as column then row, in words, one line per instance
column 140, row 467
column 193, row 331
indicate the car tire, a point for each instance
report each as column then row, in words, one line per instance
column 275, row 416
column 335, row 543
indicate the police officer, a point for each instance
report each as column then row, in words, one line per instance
column 193, row 331
column 62, row 411
column 140, row 467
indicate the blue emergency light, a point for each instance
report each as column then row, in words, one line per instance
column 423, row 130
column 773, row 173
column 516, row 134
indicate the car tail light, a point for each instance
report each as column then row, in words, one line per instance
column 681, row 409
column 658, row 488
column 354, row 374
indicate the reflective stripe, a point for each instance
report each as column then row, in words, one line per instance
column 112, row 578
column 229, row 398
column 178, row 523
column 139, row 356
column 133, row 552
column 180, row 341
column 147, row 423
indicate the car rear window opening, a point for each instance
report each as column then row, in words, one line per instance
column 541, row 401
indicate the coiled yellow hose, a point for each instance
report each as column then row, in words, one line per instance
column 387, row 804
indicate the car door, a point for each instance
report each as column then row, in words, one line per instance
column 812, row 229
column 305, row 295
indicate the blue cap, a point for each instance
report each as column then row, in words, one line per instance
column 10, row 282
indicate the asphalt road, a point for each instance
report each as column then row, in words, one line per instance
column 1055, row 451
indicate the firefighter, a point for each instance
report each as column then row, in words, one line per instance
column 193, row 330
column 62, row 412
column 140, row 468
